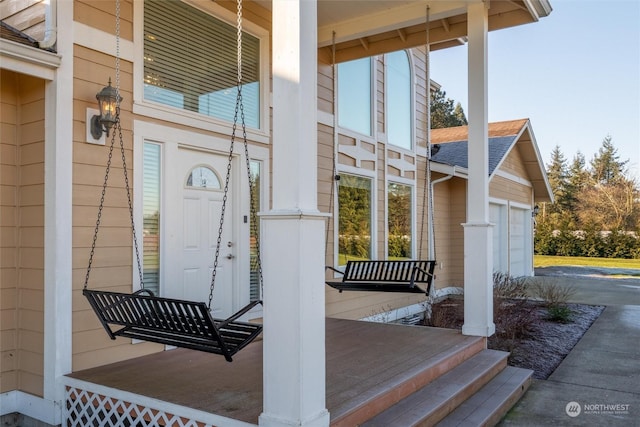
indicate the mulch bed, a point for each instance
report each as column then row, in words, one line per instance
column 536, row 343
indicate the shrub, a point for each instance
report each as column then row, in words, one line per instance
column 559, row 313
column 552, row 293
column 506, row 286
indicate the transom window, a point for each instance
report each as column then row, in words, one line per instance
column 354, row 95
column 190, row 62
column 203, row 177
column 354, row 218
column 398, row 93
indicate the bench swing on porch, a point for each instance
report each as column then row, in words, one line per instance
column 402, row 275
column 145, row 316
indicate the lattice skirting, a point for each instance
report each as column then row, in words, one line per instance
column 85, row 408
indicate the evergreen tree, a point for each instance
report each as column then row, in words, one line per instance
column 557, row 174
column 606, row 167
column 443, row 112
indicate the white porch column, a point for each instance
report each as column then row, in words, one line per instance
column 293, row 245
column 58, row 157
column 478, row 237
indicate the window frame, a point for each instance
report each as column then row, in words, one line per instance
column 192, row 119
column 372, row 98
column 373, row 247
column 412, row 220
column 412, row 103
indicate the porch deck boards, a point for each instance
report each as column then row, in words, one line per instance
column 363, row 360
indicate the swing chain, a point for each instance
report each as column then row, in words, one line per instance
column 97, row 228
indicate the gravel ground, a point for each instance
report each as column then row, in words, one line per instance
column 549, row 342
column 543, row 345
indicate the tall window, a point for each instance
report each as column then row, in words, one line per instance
column 398, row 92
column 354, row 95
column 151, row 217
column 354, row 218
column 254, row 232
column 190, row 62
column 399, row 221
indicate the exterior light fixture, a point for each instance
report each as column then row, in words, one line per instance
column 108, row 100
column 535, row 211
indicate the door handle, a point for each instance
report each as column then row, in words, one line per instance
column 230, row 256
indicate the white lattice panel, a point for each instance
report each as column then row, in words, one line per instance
column 85, row 408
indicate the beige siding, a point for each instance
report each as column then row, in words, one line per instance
column 25, row 15
column 507, row 188
column 22, row 211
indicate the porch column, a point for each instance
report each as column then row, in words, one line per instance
column 293, row 244
column 478, row 233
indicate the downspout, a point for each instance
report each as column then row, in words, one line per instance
column 430, row 218
column 50, row 23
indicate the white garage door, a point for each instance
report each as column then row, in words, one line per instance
column 520, row 256
column 498, row 216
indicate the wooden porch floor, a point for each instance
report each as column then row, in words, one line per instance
column 363, row 360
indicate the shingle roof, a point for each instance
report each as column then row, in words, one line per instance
column 451, row 143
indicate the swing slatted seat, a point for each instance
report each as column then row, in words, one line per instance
column 175, row 322
column 410, row 276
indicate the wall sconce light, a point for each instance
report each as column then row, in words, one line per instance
column 108, row 100
column 535, row 211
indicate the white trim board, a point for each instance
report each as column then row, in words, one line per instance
column 32, row 406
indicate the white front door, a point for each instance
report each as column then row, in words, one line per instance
column 202, row 183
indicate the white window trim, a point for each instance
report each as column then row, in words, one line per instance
column 354, row 171
column 412, row 120
column 195, row 120
column 372, row 107
column 414, row 223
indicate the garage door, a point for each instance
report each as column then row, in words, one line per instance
column 520, row 257
column 498, row 216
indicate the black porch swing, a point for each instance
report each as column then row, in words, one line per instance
column 402, row 275
column 181, row 323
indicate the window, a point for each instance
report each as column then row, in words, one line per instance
column 254, row 232
column 354, row 95
column 398, row 92
column 151, row 217
column 399, row 222
column 203, row 177
column 190, row 62
column 354, row 218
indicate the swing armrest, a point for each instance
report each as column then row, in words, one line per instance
column 328, row 267
column 145, row 291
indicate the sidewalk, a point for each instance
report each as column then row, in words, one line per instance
column 598, row 383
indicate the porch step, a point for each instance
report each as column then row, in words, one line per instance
column 492, row 402
column 433, row 402
column 354, row 410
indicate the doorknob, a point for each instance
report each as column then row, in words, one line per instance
column 230, row 256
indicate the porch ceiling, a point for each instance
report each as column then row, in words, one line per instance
column 367, row 28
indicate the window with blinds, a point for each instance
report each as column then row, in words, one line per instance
column 190, row 62
column 151, row 217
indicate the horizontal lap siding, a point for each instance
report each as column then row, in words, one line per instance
column 22, row 231
column 112, row 267
column 8, row 231
column 507, row 189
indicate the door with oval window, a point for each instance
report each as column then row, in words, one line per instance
column 202, row 188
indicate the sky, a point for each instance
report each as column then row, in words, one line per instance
column 575, row 74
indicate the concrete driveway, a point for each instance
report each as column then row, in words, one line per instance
column 598, row 383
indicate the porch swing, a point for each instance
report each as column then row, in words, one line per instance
column 145, row 316
column 405, row 276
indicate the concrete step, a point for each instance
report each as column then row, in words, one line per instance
column 491, row 402
column 430, row 404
